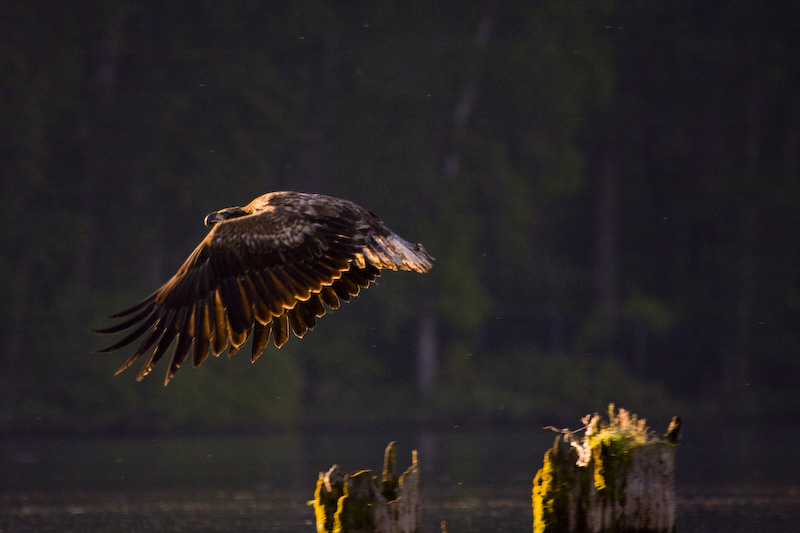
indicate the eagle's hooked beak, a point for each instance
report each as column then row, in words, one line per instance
column 224, row 214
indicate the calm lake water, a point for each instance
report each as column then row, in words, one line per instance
column 727, row 479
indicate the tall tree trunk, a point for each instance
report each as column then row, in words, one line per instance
column 427, row 360
column 428, row 333
column 737, row 369
column 606, row 252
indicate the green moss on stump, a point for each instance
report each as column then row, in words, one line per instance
column 618, row 477
column 361, row 503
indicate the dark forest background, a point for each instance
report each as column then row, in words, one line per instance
column 611, row 190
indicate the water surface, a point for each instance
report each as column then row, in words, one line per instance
column 727, row 479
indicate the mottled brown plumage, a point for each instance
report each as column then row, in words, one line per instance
column 263, row 270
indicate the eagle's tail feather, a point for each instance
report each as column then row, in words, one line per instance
column 393, row 252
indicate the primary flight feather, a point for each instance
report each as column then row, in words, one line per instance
column 264, row 269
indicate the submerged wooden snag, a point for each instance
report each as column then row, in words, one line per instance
column 360, row 503
column 619, row 477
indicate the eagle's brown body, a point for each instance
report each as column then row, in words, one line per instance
column 263, row 269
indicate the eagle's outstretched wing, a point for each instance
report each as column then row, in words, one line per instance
column 262, row 270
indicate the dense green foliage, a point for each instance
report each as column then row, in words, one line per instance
column 610, row 189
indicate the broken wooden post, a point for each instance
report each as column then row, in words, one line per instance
column 359, row 503
column 619, row 477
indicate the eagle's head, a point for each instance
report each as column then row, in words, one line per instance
column 224, row 214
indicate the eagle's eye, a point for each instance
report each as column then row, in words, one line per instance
column 224, row 214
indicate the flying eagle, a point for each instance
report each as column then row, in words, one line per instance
column 263, row 269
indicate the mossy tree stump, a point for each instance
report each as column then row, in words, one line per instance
column 618, row 478
column 360, row 503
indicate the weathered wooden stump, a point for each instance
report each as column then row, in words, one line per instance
column 360, row 503
column 618, row 478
